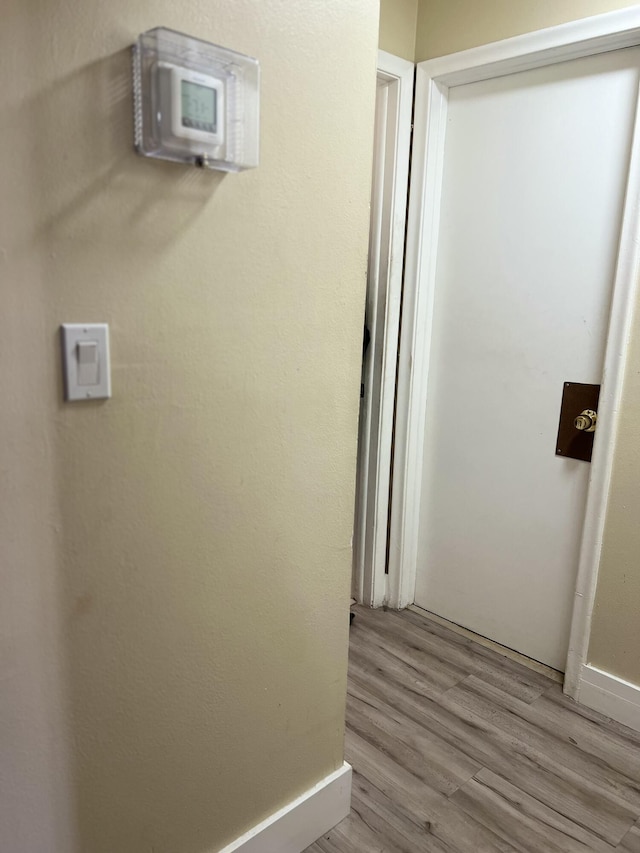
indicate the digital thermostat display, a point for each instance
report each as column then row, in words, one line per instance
column 199, row 106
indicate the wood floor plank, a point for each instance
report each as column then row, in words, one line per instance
column 396, row 687
column 456, row 651
column 457, row 749
column 407, row 656
column 444, row 820
column 506, row 673
column 381, row 813
column 409, row 793
column 437, row 763
column 542, row 774
column 631, row 842
column 543, row 778
column 606, row 725
column 525, row 822
column 392, row 674
column 361, row 831
column 614, row 747
column 519, row 721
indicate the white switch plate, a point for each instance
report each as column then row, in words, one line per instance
column 79, row 384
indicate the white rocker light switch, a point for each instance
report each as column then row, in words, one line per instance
column 87, row 363
column 85, row 353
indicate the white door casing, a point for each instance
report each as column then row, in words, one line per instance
column 434, row 81
column 392, row 139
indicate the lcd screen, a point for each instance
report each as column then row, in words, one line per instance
column 199, row 106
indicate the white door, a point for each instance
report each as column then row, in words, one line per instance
column 534, row 178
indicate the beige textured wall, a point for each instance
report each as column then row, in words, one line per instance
column 446, row 26
column 176, row 561
column 398, row 20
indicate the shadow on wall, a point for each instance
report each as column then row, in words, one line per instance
column 95, row 155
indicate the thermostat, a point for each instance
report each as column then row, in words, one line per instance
column 195, row 102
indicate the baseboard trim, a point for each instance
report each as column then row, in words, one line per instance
column 293, row 828
column 610, row 695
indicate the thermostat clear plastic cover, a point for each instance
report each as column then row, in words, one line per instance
column 195, row 102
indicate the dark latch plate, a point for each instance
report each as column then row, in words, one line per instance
column 572, row 443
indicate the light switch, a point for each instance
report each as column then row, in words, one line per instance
column 88, row 363
column 85, row 354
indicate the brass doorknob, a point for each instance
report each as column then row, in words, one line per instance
column 586, row 421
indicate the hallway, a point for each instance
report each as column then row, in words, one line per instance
column 457, row 749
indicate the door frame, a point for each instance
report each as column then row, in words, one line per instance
column 390, row 184
column 434, row 78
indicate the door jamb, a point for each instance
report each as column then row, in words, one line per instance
column 581, row 38
column 386, row 263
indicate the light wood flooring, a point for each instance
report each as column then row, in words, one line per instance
column 457, row 749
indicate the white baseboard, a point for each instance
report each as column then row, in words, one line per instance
column 293, row 828
column 610, row 695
